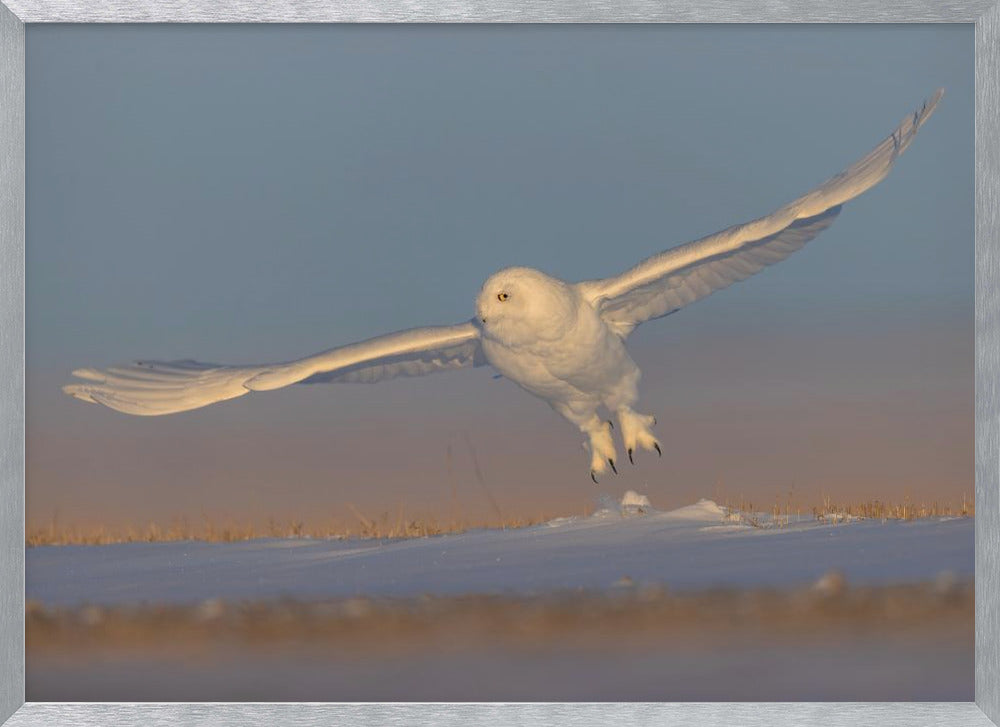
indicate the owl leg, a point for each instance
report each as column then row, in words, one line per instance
column 601, row 447
column 599, row 442
column 636, row 432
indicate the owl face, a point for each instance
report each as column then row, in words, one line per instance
column 520, row 305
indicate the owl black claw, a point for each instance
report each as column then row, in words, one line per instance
column 630, row 457
column 658, row 450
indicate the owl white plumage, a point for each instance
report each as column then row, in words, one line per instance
column 562, row 342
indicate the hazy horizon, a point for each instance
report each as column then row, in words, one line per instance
column 245, row 194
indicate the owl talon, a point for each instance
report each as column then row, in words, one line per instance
column 656, row 445
column 601, row 447
column 612, row 463
column 636, row 433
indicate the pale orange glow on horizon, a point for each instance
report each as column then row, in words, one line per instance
column 787, row 416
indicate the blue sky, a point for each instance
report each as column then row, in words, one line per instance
column 247, row 194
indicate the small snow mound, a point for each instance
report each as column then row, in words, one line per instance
column 705, row 510
column 211, row 610
column 92, row 615
column 946, row 583
column 631, row 503
column 831, row 583
column 632, row 500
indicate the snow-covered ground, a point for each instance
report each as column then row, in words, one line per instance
column 694, row 547
column 234, row 637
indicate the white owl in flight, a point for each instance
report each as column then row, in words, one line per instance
column 563, row 342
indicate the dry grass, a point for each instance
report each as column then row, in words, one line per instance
column 208, row 530
column 386, row 526
column 782, row 512
column 878, row 510
column 398, row 525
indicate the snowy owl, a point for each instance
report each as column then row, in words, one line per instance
column 563, row 342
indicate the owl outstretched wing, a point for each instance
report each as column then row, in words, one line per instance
column 671, row 280
column 149, row 388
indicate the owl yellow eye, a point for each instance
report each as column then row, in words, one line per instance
column 502, row 297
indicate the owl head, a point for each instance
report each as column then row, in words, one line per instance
column 518, row 306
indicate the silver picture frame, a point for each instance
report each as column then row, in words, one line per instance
column 984, row 14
